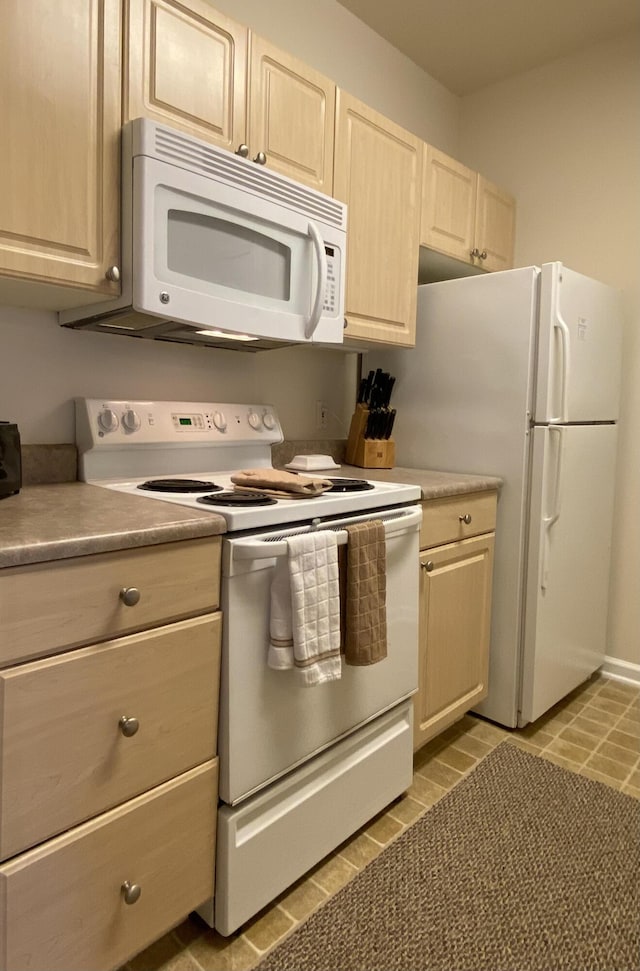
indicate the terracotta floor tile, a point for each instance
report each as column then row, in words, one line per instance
column 265, row 930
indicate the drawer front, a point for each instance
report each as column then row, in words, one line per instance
column 66, row 756
column 47, row 607
column 457, row 517
column 63, row 908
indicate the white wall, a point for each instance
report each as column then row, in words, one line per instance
column 565, row 139
column 42, row 367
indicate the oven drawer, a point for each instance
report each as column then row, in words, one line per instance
column 63, row 903
column 457, row 517
column 273, row 838
column 66, row 755
column 47, row 607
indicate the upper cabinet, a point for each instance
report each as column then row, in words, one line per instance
column 377, row 172
column 60, row 164
column 192, row 68
column 464, row 215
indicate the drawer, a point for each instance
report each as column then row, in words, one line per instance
column 63, row 906
column 445, row 520
column 65, row 754
column 47, row 607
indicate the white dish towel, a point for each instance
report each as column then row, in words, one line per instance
column 305, row 609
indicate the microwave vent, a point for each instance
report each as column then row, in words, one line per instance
column 226, row 167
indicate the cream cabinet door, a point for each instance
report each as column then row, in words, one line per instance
column 495, row 226
column 186, row 67
column 60, row 158
column 448, row 211
column 377, row 172
column 291, row 116
column 454, row 628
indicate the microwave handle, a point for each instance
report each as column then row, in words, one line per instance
column 321, row 261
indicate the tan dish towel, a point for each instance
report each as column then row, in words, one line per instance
column 281, row 484
column 365, row 640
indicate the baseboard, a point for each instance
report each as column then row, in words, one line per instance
column 619, row 670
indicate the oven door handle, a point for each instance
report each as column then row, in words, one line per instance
column 267, row 549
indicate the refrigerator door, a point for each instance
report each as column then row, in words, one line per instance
column 579, row 348
column 463, row 397
column 572, row 494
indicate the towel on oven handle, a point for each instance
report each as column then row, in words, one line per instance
column 313, row 646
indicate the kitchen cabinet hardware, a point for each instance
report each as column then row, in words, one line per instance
column 465, row 519
column 113, row 274
column 428, row 566
column 483, row 255
column 474, row 253
column 260, row 159
column 130, row 892
column 130, row 596
column 242, row 150
column 128, row 725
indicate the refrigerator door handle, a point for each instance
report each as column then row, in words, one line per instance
column 549, row 520
column 565, row 339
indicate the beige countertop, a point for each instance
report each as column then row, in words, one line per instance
column 52, row 522
column 434, row 485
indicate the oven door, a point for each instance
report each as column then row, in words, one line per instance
column 269, row 722
column 210, row 253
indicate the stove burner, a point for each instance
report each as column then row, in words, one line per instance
column 237, row 499
column 350, row 485
column 178, row 485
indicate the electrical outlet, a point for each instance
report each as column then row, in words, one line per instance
column 322, row 415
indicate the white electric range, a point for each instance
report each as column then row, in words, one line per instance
column 301, row 768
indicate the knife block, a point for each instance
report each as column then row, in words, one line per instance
column 368, row 453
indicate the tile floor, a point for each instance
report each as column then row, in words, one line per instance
column 595, row 732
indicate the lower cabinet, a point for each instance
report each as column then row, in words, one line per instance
column 108, row 752
column 456, row 566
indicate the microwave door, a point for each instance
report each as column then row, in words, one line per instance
column 219, row 256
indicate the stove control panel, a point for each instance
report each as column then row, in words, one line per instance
column 102, row 423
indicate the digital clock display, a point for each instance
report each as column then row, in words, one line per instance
column 185, row 421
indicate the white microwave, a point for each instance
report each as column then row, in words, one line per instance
column 219, row 250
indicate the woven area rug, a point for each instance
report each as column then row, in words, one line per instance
column 524, row 866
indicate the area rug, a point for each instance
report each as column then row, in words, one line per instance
column 524, row 866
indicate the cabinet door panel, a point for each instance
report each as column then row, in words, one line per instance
column 186, row 67
column 495, row 226
column 60, row 122
column 291, row 116
column 448, row 205
column 455, row 615
column 377, row 173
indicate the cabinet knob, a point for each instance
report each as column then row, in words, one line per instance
column 428, row 566
column 130, row 892
column 345, row 324
column 474, row 252
column 113, row 274
column 130, row 596
column 465, row 519
column 260, row 158
column 128, row 726
column 242, row 150
column 483, row 255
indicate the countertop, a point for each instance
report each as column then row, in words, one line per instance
column 52, row 522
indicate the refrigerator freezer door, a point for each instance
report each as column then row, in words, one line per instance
column 579, row 348
column 572, row 494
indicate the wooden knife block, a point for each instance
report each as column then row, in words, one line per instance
column 368, row 453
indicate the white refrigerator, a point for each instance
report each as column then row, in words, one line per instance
column 517, row 374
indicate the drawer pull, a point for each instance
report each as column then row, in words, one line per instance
column 130, row 892
column 428, row 566
column 128, row 726
column 130, row 596
column 466, row 519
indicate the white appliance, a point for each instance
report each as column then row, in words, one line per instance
column 215, row 246
column 516, row 374
column 300, row 768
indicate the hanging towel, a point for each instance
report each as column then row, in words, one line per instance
column 365, row 639
column 280, row 654
column 315, row 606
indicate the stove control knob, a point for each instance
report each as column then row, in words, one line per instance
column 269, row 421
column 219, row 420
column 254, row 420
column 108, row 420
column 131, row 420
